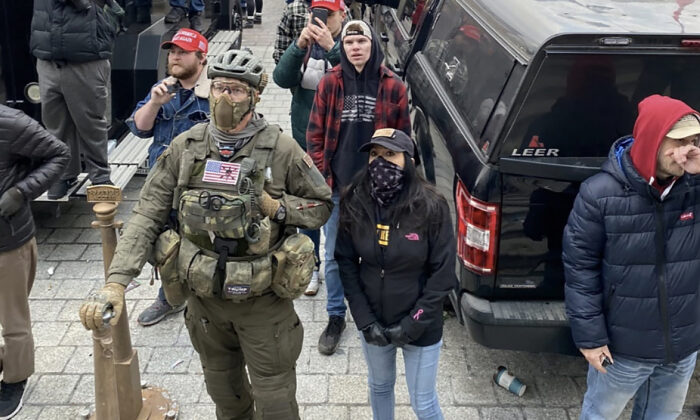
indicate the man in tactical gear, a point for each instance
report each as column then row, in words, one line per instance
column 241, row 188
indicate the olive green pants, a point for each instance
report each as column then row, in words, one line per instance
column 264, row 334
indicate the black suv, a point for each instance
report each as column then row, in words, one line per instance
column 514, row 103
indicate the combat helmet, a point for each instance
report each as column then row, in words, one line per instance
column 241, row 65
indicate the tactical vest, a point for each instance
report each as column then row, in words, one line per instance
column 218, row 199
column 224, row 236
column 225, row 248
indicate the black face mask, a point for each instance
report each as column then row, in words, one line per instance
column 386, row 181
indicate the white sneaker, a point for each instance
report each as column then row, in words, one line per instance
column 312, row 288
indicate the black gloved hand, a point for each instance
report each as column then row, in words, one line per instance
column 10, row 202
column 374, row 334
column 397, row 336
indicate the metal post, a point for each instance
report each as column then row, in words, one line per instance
column 106, row 406
column 125, row 359
column 118, row 393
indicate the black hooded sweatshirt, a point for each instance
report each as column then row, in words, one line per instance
column 357, row 121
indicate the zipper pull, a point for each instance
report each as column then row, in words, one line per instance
column 204, row 322
column 381, row 274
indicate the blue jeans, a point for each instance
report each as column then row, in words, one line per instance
column 335, row 304
column 315, row 236
column 659, row 390
column 195, row 5
column 421, row 377
column 161, row 295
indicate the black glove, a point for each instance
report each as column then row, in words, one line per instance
column 397, row 336
column 374, row 334
column 10, row 202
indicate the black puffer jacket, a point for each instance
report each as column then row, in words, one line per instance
column 31, row 159
column 405, row 282
column 61, row 32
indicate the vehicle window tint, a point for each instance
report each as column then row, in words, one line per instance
column 580, row 104
column 3, row 92
column 470, row 65
column 410, row 13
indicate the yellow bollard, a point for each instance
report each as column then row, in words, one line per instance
column 118, row 391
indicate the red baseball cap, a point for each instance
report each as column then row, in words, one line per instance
column 471, row 31
column 188, row 40
column 332, row 5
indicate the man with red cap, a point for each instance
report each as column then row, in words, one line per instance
column 173, row 106
column 632, row 267
column 300, row 69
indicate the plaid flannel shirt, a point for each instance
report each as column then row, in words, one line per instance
column 391, row 111
column 294, row 19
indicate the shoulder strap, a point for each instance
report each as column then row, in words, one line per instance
column 195, row 149
column 265, row 146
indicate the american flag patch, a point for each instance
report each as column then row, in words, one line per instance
column 221, row 172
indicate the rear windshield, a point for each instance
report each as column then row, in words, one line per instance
column 578, row 105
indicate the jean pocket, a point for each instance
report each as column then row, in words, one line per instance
column 198, row 117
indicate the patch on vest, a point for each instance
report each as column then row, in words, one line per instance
column 307, row 160
column 221, row 172
column 236, row 290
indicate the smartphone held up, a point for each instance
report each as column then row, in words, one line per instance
column 321, row 13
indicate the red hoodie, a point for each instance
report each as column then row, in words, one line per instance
column 657, row 114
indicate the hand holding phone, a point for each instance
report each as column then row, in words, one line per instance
column 163, row 92
column 321, row 13
column 174, row 87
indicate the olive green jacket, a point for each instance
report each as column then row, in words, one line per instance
column 296, row 183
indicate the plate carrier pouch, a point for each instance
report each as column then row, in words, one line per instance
column 165, row 255
column 233, row 274
column 294, row 265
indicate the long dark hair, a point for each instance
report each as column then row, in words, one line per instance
column 418, row 203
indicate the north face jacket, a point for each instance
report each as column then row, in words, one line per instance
column 406, row 281
column 630, row 249
column 31, row 159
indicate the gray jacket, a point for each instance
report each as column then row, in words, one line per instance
column 31, row 159
column 61, row 32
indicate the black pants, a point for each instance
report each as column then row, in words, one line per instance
column 253, row 6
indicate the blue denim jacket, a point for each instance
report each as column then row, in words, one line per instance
column 172, row 119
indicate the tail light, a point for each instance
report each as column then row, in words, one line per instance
column 477, row 228
column 693, row 43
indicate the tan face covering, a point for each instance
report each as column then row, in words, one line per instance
column 225, row 113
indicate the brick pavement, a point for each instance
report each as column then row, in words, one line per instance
column 328, row 387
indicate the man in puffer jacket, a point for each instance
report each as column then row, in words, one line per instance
column 632, row 267
column 30, row 159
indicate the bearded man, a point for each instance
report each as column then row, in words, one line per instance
column 173, row 106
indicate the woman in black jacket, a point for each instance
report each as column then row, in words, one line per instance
column 396, row 254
